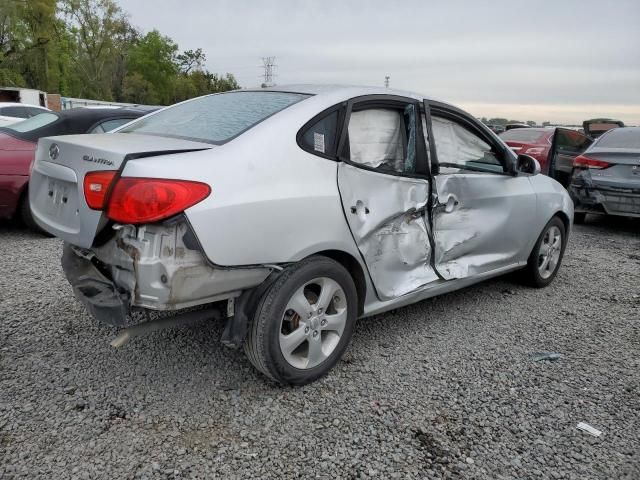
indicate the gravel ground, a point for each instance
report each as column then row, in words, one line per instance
column 443, row 389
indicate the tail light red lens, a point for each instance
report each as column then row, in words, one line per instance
column 585, row 162
column 96, row 186
column 145, row 200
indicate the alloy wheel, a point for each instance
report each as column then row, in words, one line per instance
column 549, row 253
column 313, row 322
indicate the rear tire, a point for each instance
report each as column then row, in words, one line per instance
column 579, row 218
column 27, row 217
column 546, row 256
column 304, row 321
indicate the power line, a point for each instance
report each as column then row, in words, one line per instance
column 268, row 63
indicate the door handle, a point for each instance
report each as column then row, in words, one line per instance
column 450, row 205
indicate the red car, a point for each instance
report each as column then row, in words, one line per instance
column 553, row 147
column 535, row 142
column 19, row 140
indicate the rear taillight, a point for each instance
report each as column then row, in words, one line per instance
column 145, row 200
column 585, row 162
column 96, row 187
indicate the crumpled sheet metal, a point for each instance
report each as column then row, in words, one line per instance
column 398, row 255
column 458, row 236
column 395, row 246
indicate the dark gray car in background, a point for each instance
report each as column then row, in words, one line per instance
column 606, row 176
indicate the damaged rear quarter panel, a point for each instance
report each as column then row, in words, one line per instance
column 153, row 263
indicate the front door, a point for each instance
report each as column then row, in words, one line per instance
column 481, row 210
column 384, row 185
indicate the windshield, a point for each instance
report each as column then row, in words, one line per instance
column 526, row 135
column 33, row 123
column 214, row 118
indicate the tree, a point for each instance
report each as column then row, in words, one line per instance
column 100, row 30
column 191, row 60
column 88, row 48
column 153, row 57
column 531, row 123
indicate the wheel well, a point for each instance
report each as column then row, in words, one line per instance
column 565, row 219
column 354, row 268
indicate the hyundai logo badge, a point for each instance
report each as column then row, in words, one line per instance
column 54, row 151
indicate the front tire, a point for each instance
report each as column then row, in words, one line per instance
column 546, row 257
column 304, row 321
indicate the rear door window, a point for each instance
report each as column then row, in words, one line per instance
column 383, row 139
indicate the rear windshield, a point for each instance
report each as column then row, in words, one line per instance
column 621, row 138
column 525, row 135
column 214, row 118
column 33, row 123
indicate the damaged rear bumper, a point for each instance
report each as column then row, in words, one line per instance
column 97, row 293
column 155, row 267
column 605, row 200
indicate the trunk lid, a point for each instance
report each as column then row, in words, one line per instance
column 61, row 163
column 624, row 169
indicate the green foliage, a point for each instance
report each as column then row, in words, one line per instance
column 88, row 48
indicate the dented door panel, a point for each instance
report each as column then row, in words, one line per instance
column 386, row 217
column 480, row 222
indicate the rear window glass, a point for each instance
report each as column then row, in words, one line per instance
column 214, row 118
column 525, row 135
column 621, row 138
column 33, row 123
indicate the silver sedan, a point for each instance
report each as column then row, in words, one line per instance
column 291, row 212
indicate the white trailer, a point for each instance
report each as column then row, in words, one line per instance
column 27, row 96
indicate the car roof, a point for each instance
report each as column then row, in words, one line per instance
column 17, row 104
column 344, row 91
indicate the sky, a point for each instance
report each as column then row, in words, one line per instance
column 561, row 61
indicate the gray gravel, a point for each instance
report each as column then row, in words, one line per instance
column 448, row 388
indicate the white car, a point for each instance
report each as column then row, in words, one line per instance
column 11, row 113
column 293, row 211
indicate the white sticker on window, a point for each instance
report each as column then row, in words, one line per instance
column 318, row 142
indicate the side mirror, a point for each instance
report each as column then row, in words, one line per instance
column 527, row 164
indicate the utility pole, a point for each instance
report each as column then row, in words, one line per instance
column 386, row 81
column 268, row 63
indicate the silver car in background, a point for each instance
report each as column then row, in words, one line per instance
column 293, row 211
column 606, row 177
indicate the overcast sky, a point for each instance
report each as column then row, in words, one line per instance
column 562, row 60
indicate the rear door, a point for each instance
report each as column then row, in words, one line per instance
column 482, row 212
column 385, row 187
column 566, row 145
